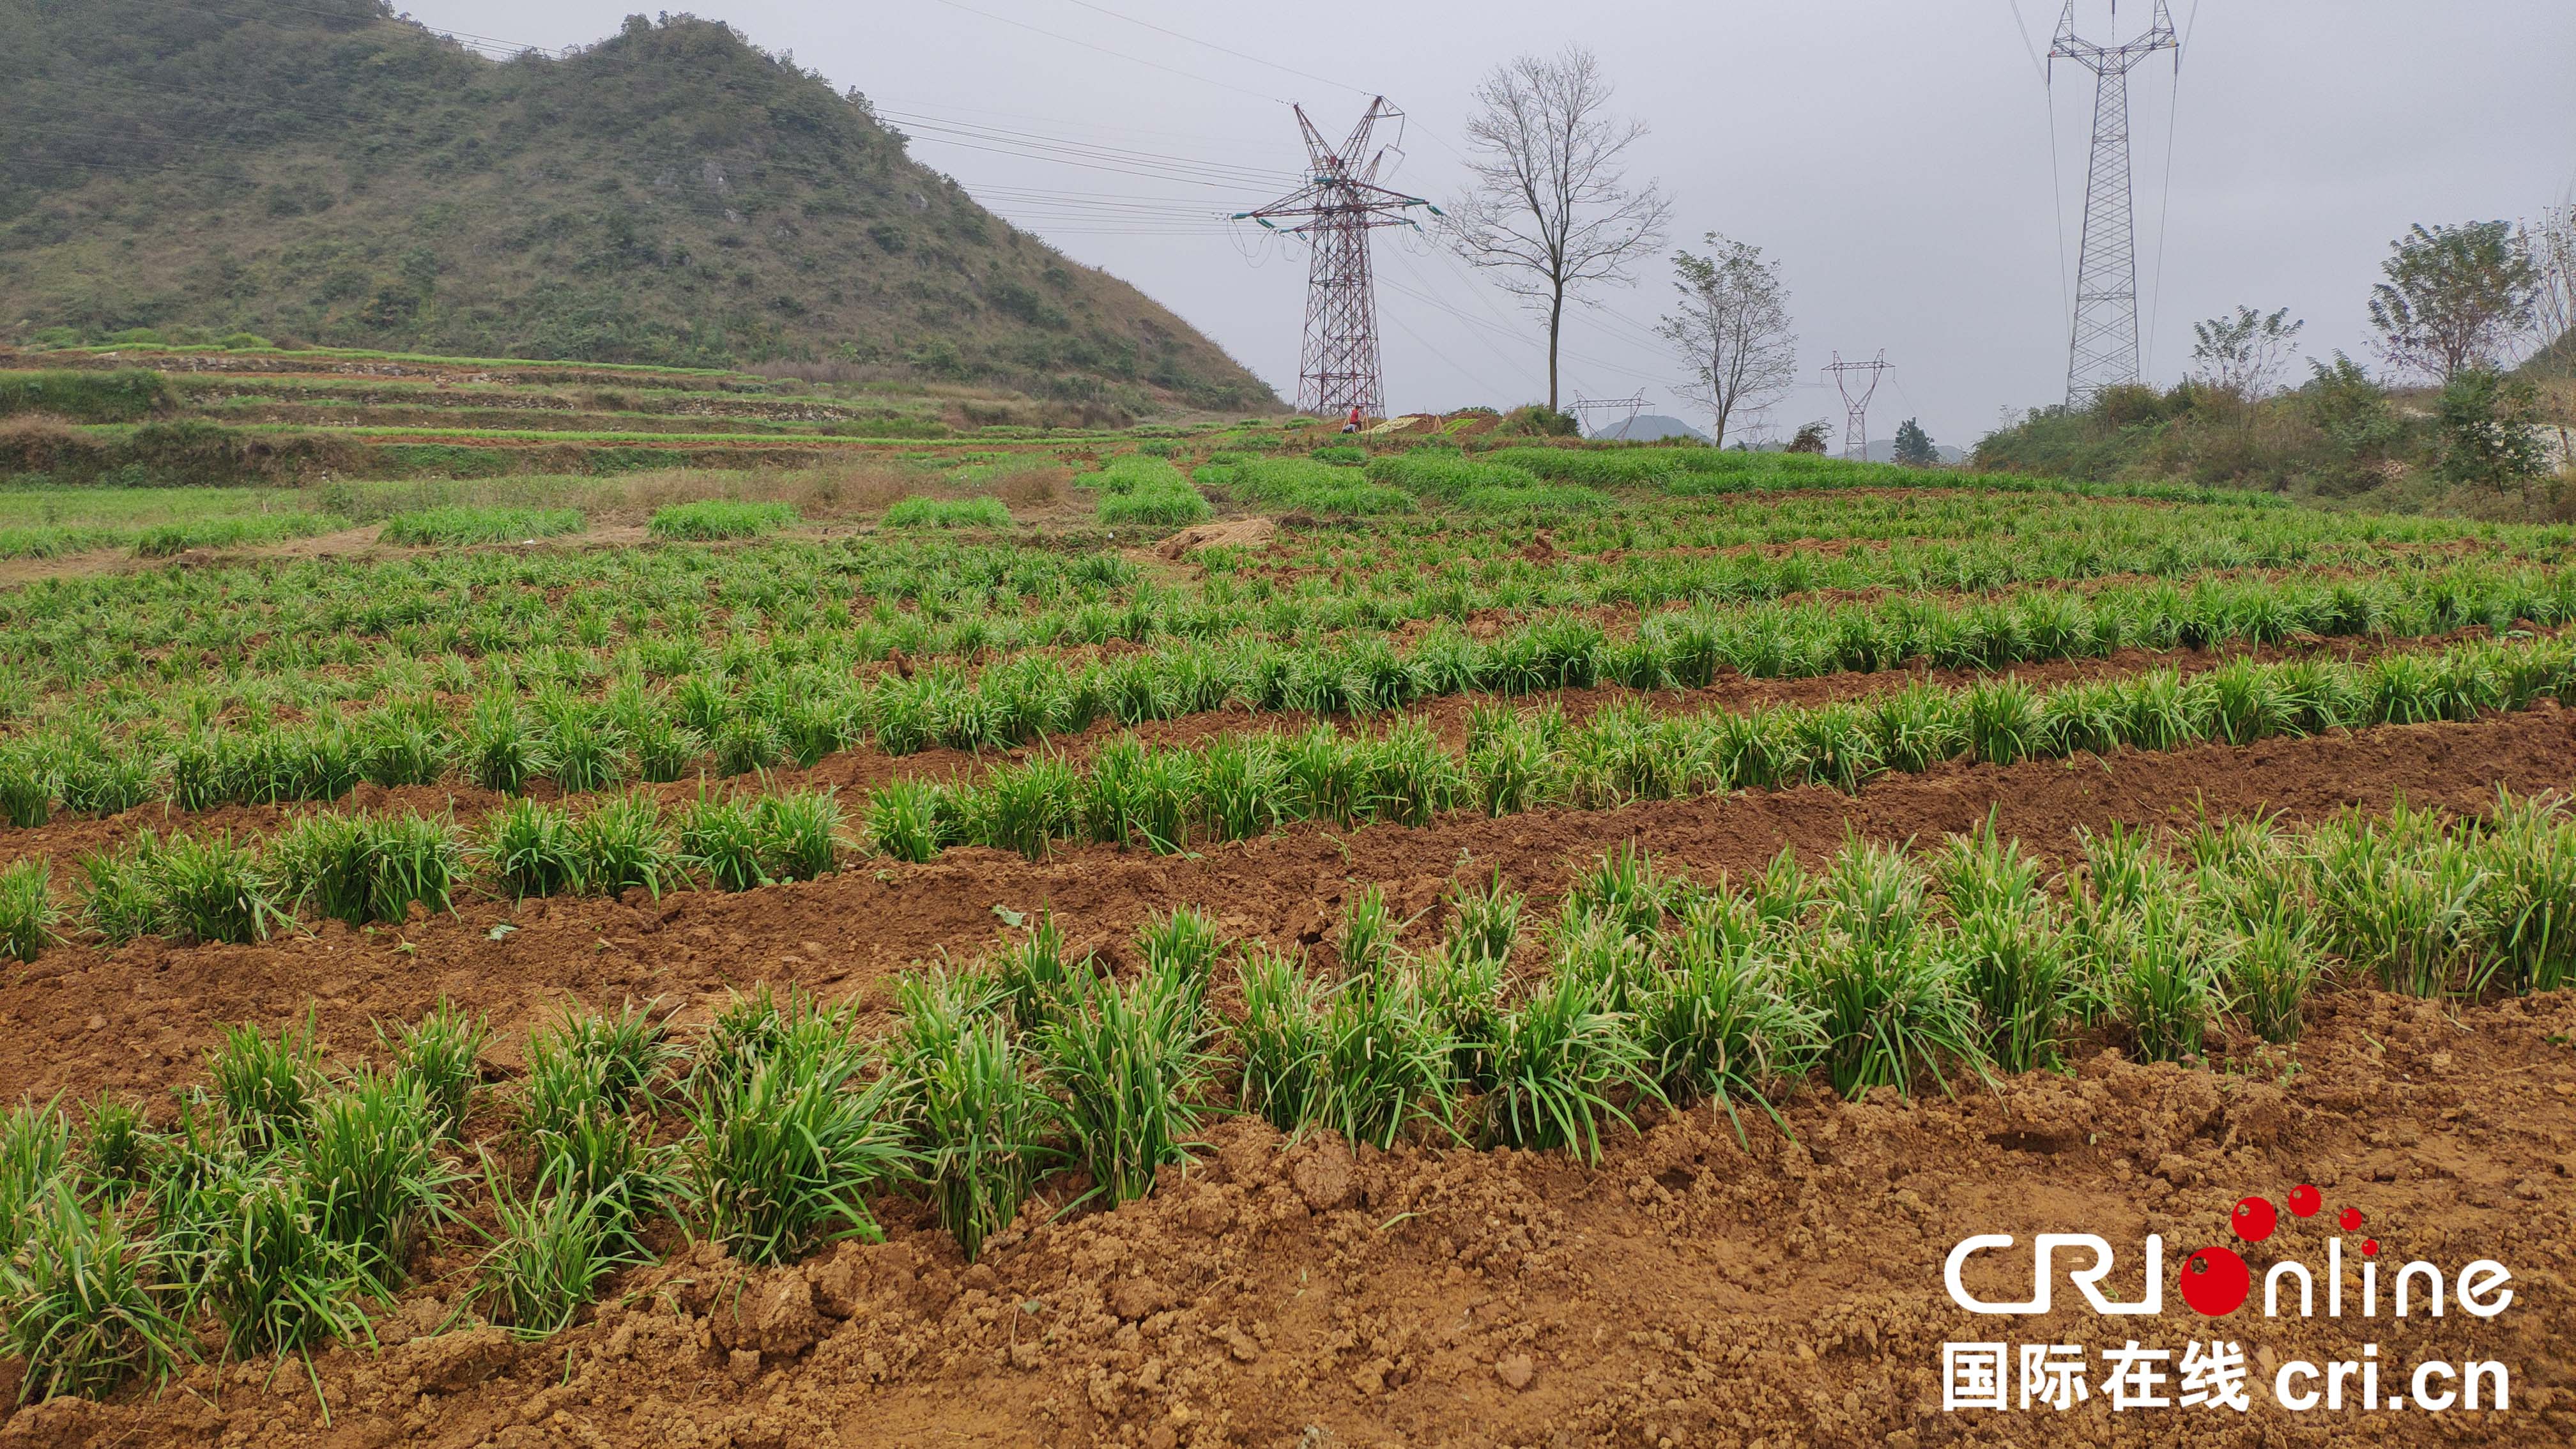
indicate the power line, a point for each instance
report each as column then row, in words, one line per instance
column 1221, row 49
column 1105, row 50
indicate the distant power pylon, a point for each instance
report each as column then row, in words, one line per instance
column 1856, row 409
column 2104, row 349
column 1340, row 204
column 1626, row 408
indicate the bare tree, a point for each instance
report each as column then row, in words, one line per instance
column 1550, row 210
column 2551, row 246
column 2243, row 355
column 1734, row 328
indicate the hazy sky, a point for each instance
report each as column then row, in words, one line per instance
column 1896, row 155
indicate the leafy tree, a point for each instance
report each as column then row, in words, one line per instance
column 1550, row 211
column 1734, row 329
column 1810, row 438
column 2485, row 419
column 2455, row 296
column 2243, row 355
column 1914, row 446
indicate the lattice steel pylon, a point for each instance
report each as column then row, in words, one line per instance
column 1856, row 409
column 1625, row 408
column 2103, row 348
column 1340, row 204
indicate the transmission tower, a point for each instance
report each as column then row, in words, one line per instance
column 1624, row 408
column 2104, row 349
column 1340, row 204
column 1856, row 409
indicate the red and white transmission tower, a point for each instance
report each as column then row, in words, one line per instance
column 1335, row 210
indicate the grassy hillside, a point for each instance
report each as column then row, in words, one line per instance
column 320, row 171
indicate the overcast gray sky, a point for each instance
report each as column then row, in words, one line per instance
column 1895, row 156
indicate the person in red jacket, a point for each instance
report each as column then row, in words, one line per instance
column 1353, row 425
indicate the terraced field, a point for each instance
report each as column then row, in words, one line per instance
column 1518, row 945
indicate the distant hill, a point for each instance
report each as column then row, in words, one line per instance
column 318, row 169
column 1645, row 427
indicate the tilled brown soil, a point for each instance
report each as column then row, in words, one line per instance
column 139, row 1018
column 1691, row 1289
column 858, row 770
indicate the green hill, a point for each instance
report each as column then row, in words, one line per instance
column 321, row 171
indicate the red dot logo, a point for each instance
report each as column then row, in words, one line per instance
column 2215, row 1282
column 2254, row 1219
column 2305, row 1200
column 2350, row 1221
column 2370, row 1247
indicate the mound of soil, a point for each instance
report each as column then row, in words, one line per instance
column 1231, row 533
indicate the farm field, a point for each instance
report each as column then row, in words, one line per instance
column 1209, row 935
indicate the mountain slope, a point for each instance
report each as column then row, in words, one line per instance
column 317, row 168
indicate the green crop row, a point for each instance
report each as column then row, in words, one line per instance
column 1144, row 490
column 136, row 637
column 1242, row 786
column 363, row 867
column 459, row 525
column 1306, row 485
column 287, row 1200
column 720, row 518
column 122, row 396
column 805, row 711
